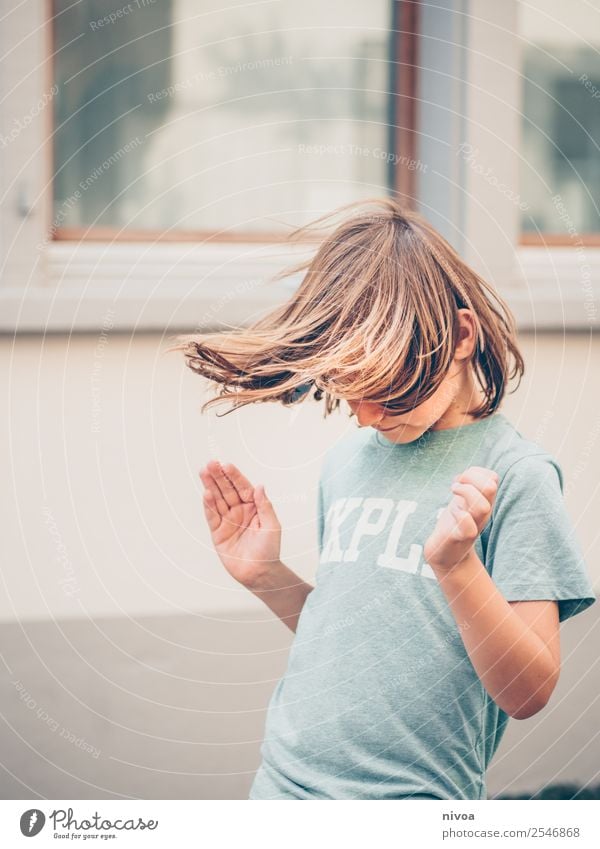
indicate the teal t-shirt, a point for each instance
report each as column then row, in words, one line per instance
column 379, row 699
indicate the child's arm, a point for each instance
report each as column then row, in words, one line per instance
column 247, row 537
column 283, row 592
column 514, row 647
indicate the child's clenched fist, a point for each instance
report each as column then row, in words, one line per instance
column 461, row 522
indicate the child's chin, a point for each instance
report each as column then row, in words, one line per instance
column 403, row 435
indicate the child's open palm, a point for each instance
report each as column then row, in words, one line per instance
column 245, row 530
column 461, row 522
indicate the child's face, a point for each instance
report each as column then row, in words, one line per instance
column 447, row 406
column 408, row 426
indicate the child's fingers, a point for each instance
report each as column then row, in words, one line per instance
column 228, row 491
column 485, row 480
column 465, row 527
column 241, row 483
column 477, row 505
column 459, row 503
column 213, row 516
column 212, row 487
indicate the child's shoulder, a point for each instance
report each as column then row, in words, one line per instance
column 514, row 455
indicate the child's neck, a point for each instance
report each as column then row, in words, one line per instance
column 468, row 397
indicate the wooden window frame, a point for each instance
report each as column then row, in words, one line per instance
column 558, row 240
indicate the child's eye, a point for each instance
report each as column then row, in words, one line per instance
column 396, row 407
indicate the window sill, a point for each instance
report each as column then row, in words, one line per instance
column 136, row 286
column 182, row 287
column 556, row 288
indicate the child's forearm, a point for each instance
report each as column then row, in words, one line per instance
column 514, row 665
column 283, row 592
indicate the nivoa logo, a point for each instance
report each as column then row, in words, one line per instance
column 453, row 815
column 32, row 822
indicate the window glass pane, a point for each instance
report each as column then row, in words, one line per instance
column 187, row 115
column 560, row 169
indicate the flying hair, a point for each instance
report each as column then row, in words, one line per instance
column 375, row 318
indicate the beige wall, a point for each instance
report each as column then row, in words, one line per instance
column 103, row 525
column 104, row 438
column 103, row 445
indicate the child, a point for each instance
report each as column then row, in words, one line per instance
column 447, row 559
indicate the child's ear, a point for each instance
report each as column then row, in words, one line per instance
column 467, row 335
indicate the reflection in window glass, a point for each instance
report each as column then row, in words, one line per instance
column 560, row 168
column 175, row 114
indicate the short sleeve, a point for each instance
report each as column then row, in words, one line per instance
column 532, row 551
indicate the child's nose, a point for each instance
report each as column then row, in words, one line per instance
column 367, row 413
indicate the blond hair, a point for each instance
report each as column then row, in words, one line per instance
column 374, row 318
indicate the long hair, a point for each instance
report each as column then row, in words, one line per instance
column 374, row 319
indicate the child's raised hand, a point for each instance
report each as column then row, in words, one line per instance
column 461, row 522
column 244, row 528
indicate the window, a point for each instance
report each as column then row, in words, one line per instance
column 186, row 118
column 155, row 151
column 560, row 170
